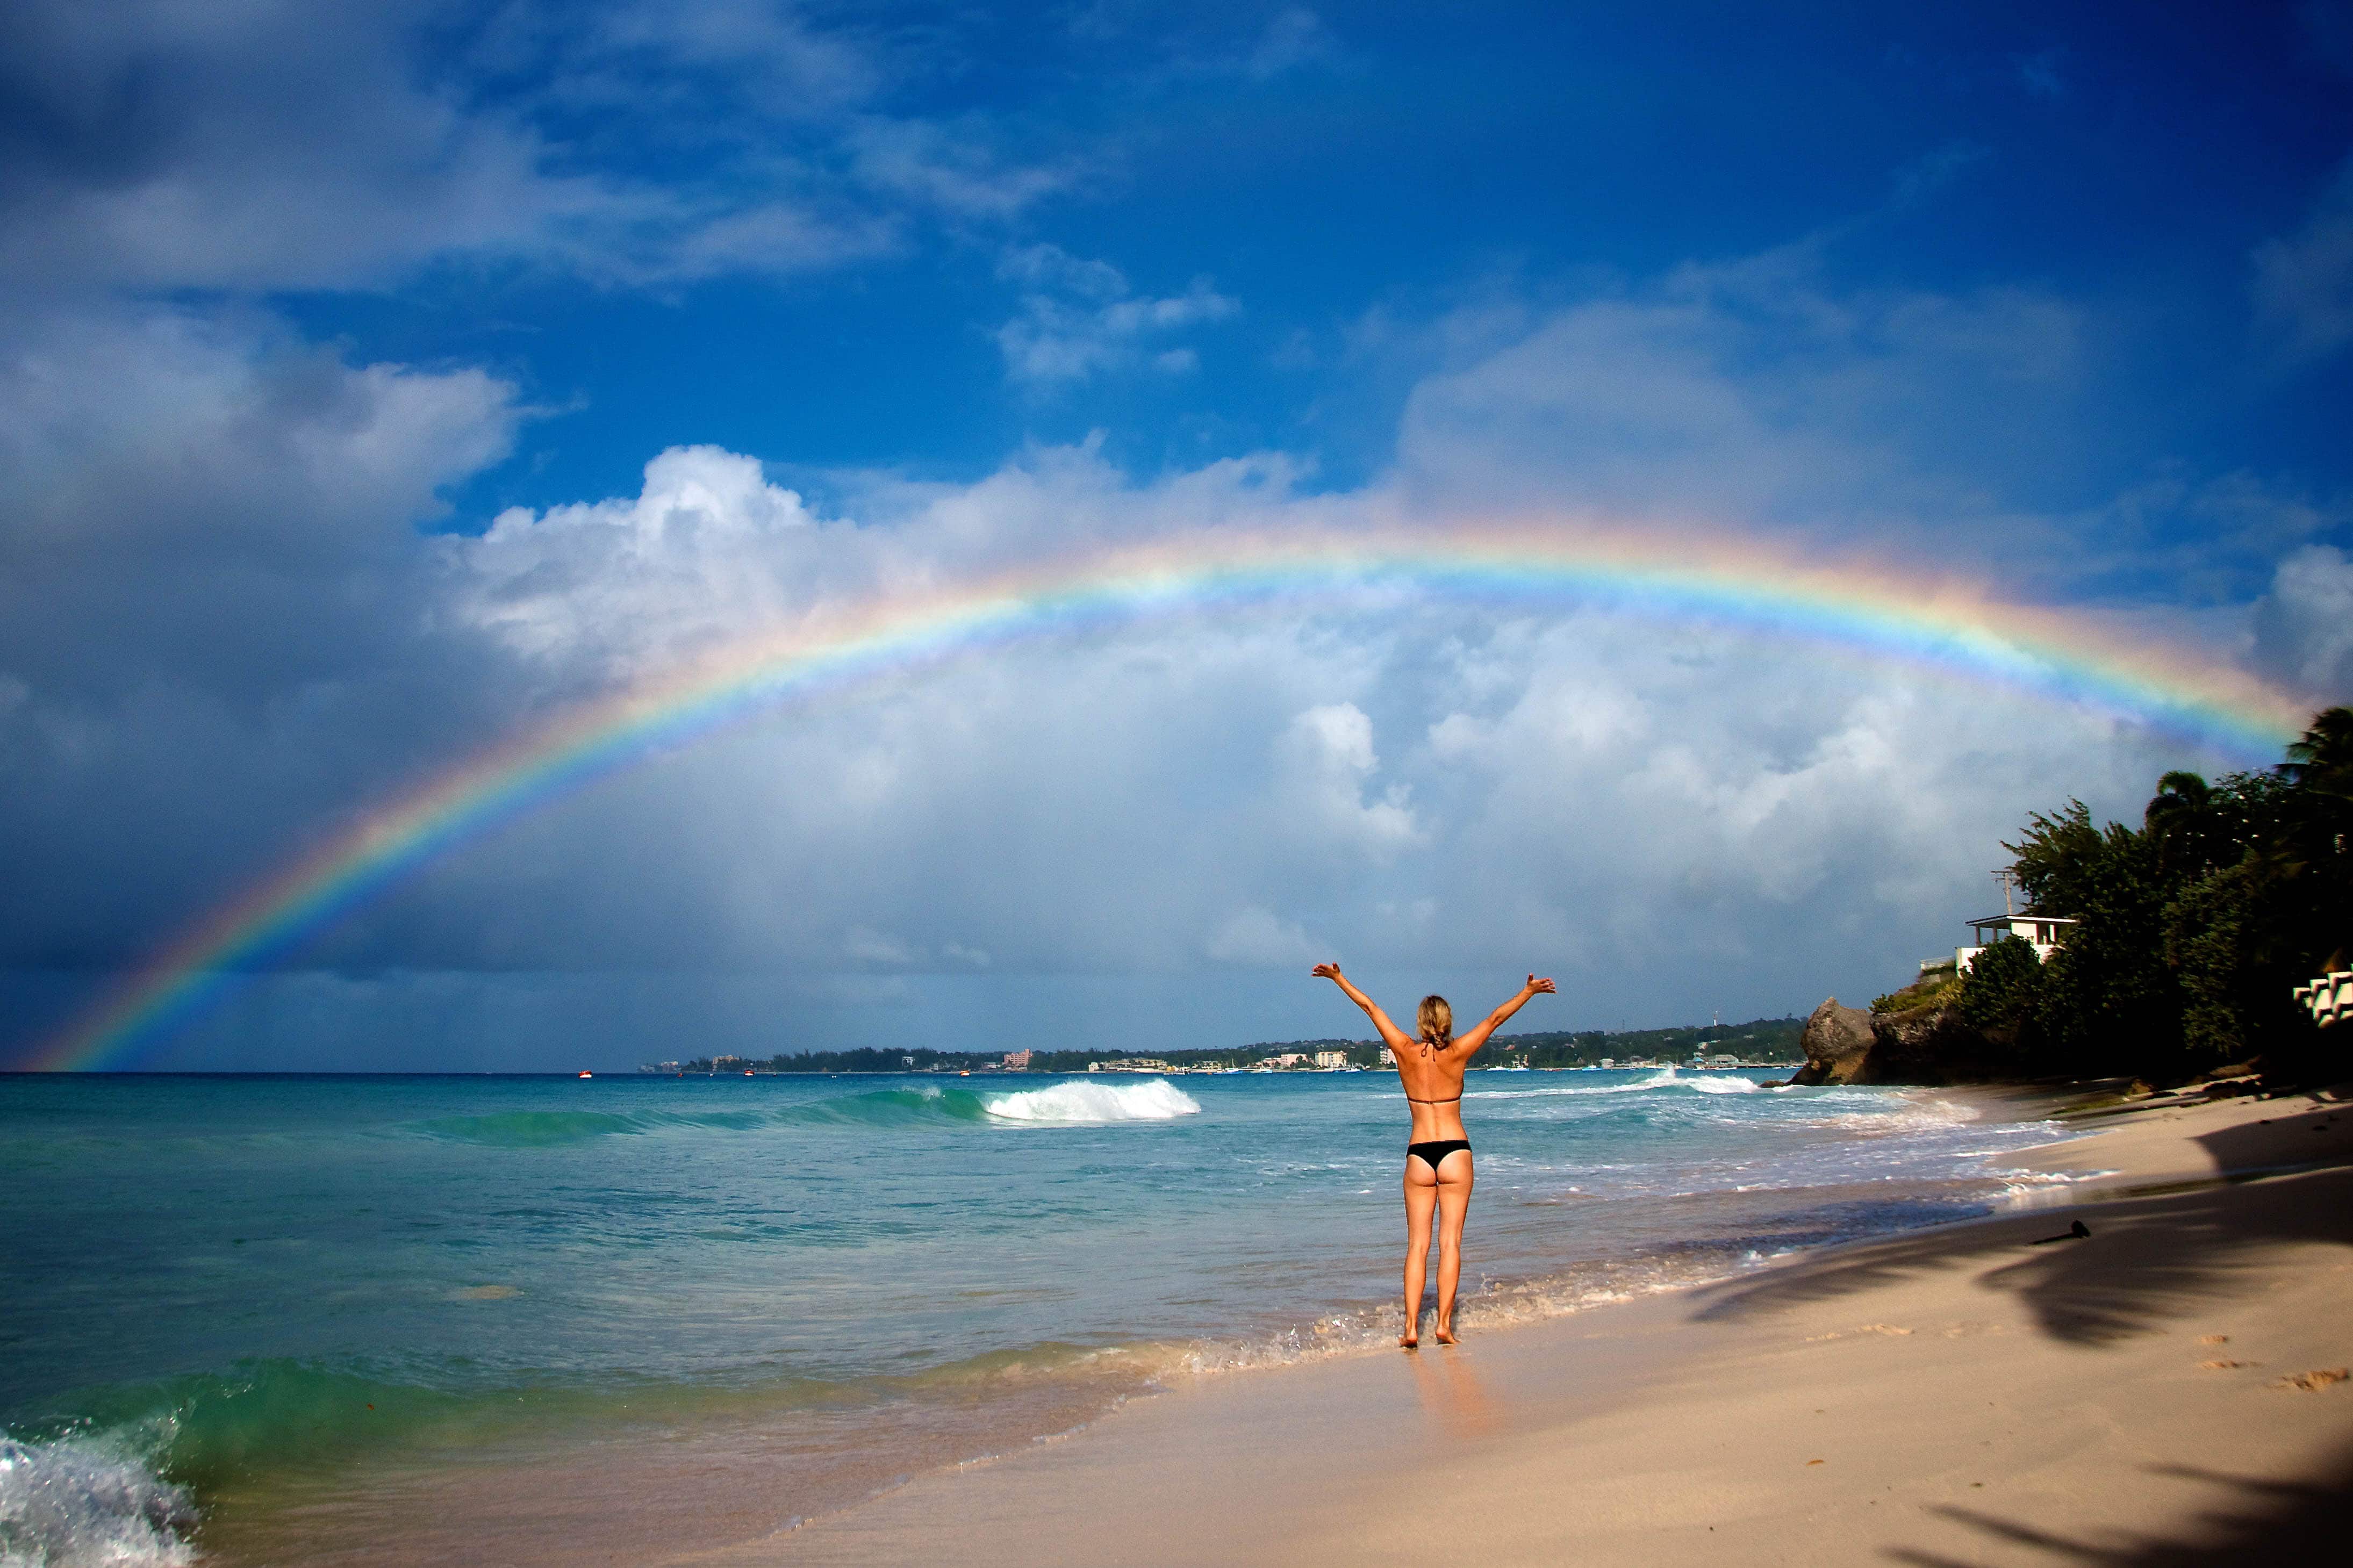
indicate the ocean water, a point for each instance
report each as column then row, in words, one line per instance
column 379, row 1320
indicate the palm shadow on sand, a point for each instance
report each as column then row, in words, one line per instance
column 2130, row 1276
column 2255, row 1518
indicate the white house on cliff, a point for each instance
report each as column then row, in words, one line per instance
column 2044, row 932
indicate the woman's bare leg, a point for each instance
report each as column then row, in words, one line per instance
column 1420, row 1203
column 1453, row 1195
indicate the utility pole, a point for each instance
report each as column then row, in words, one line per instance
column 2007, row 877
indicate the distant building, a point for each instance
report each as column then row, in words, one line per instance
column 2044, row 932
column 1287, row 1060
column 1609, row 1062
column 1019, row 1059
column 1389, row 1058
column 1329, row 1059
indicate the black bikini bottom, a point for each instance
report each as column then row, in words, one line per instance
column 1435, row 1150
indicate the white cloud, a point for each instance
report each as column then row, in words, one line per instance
column 1294, row 36
column 861, row 945
column 953, row 168
column 1325, row 758
column 704, row 551
column 770, row 49
column 2039, row 74
column 2304, row 627
column 2303, row 282
column 1079, row 319
column 274, row 145
column 1259, row 939
column 1749, row 391
column 1925, row 176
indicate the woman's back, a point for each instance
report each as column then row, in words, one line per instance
column 1432, row 1077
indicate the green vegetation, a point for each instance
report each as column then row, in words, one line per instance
column 1938, row 992
column 2192, row 930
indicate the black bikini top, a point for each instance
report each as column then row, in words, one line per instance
column 1411, row 1100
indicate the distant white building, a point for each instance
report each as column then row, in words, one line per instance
column 1330, row 1060
column 2044, row 932
column 1389, row 1058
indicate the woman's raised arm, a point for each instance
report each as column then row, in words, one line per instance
column 1478, row 1037
column 1395, row 1037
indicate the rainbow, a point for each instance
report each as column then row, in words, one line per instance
column 1881, row 610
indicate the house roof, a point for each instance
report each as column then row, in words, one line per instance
column 2007, row 920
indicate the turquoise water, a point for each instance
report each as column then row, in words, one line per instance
column 230, row 1298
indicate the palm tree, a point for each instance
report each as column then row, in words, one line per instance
column 2185, row 827
column 2322, row 759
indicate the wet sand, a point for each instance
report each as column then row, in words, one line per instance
column 2155, row 1393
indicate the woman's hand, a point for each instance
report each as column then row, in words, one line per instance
column 1535, row 987
column 1331, row 972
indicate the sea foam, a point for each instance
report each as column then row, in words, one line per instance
column 1084, row 1103
column 78, row 1501
column 1708, row 1083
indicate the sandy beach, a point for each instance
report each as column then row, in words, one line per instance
column 2166, row 1390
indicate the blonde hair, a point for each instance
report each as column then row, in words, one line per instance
column 1436, row 1021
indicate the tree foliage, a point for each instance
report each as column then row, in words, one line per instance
column 2003, row 990
column 2192, row 929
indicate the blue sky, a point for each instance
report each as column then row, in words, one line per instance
column 297, row 302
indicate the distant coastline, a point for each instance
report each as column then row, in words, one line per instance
column 1758, row 1043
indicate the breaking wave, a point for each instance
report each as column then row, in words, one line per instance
column 81, row 1500
column 1080, row 1104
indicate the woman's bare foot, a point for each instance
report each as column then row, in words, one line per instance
column 1409, row 1341
column 1445, row 1335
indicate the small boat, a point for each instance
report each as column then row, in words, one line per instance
column 587, row 1074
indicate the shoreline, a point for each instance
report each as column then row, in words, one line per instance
column 1838, row 1405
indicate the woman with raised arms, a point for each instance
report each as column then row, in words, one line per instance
column 1438, row 1160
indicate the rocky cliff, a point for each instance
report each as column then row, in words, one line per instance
column 1929, row 1044
column 1837, row 1043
